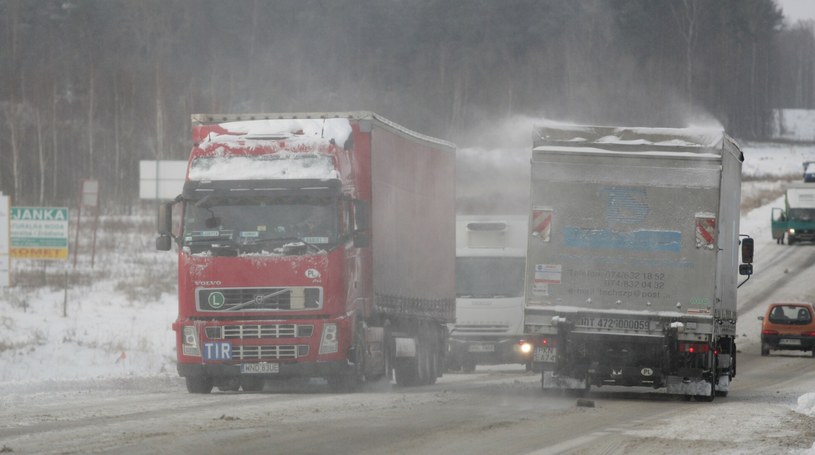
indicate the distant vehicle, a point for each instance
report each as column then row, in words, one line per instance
column 788, row 326
column 809, row 171
column 796, row 219
column 633, row 258
column 490, row 260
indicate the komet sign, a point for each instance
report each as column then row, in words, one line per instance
column 39, row 233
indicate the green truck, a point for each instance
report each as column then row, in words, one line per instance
column 796, row 220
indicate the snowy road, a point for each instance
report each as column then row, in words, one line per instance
column 500, row 410
column 495, row 410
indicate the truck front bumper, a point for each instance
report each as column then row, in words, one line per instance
column 488, row 351
column 286, row 370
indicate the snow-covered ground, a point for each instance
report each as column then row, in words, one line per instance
column 114, row 319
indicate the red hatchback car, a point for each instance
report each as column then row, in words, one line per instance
column 788, row 326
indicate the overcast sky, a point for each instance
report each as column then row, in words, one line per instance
column 795, row 10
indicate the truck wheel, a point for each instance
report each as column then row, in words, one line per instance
column 407, row 372
column 345, row 382
column 199, row 384
column 252, row 384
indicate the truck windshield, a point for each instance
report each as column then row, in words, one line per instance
column 488, row 277
column 260, row 224
column 802, row 214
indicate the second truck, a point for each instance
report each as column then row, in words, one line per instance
column 490, row 260
column 312, row 245
column 633, row 258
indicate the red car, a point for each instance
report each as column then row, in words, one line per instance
column 788, row 326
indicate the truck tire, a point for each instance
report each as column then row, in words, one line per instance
column 252, row 384
column 199, row 384
column 406, row 371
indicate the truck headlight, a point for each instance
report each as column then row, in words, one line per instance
column 328, row 341
column 526, row 347
column 792, row 231
column 190, row 342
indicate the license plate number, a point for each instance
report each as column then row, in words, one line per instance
column 789, row 342
column 613, row 323
column 545, row 354
column 260, row 368
column 481, row 348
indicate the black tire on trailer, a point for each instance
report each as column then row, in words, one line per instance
column 199, row 384
column 250, row 384
column 406, row 371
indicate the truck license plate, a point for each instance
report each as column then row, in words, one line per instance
column 545, row 354
column 613, row 323
column 260, row 368
column 481, row 348
column 789, row 342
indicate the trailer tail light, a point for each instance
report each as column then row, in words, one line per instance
column 694, row 348
column 769, row 332
column 548, row 342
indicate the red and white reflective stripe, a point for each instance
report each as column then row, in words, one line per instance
column 542, row 222
column 705, row 232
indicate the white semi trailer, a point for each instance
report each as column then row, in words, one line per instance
column 633, row 258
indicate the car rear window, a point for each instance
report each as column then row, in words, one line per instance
column 790, row 314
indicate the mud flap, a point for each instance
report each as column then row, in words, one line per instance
column 550, row 381
column 723, row 384
column 677, row 385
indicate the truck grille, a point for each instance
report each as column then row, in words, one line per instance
column 259, row 299
column 256, row 331
column 270, row 352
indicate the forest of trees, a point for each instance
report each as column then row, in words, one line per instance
column 88, row 88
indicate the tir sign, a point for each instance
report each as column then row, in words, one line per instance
column 217, row 351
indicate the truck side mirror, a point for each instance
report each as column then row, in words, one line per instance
column 165, row 227
column 746, row 252
column 164, row 243
column 362, row 215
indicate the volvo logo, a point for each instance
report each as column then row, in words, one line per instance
column 216, row 300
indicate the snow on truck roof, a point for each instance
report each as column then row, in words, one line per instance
column 337, row 123
column 602, row 139
column 293, row 145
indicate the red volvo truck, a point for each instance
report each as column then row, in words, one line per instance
column 312, row 245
